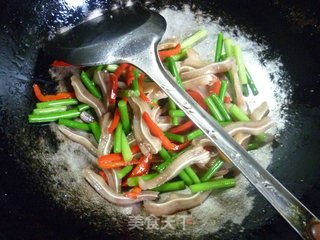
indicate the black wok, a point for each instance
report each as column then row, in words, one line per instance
column 28, row 207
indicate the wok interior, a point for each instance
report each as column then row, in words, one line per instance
column 22, row 65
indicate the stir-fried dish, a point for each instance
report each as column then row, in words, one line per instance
column 144, row 144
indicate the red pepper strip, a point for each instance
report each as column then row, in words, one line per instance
column 141, row 169
column 103, row 175
column 216, row 90
column 134, row 193
column 142, row 95
column 130, row 76
column 59, row 96
column 57, row 63
column 115, row 121
column 216, row 87
column 170, row 52
column 135, row 149
column 115, row 164
column 182, row 128
column 120, row 69
column 166, row 143
column 46, row 98
column 227, row 99
column 124, row 183
column 114, row 89
column 198, row 98
column 38, row 93
column 183, row 146
column 113, row 157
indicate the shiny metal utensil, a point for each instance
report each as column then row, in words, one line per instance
column 131, row 35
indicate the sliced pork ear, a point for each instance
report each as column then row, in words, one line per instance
column 163, row 122
column 100, row 185
column 212, row 68
column 168, row 43
column 197, row 154
column 242, row 139
column 175, row 203
column 260, row 112
column 202, row 141
column 106, row 139
column 241, row 130
column 203, row 80
column 193, row 59
column 102, row 79
column 153, row 91
column 183, row 69
column 220, row 67
column 147, row 142
column 199, row 84
column 257, row 114
column 83, row 95
column 104, row 148
column 240, row 101
column 131, row 139
column 253, row 128
column 113, row 181
column 77, row 137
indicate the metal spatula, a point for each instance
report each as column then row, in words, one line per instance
column 131, row 35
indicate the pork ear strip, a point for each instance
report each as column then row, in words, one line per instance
column 100, row 185
column 253, row 128
column 106, row 139
column 104, row 148
column 260, row 112
column 168, row 43
column 197, row 154
column 83, row 95
column 74, row 136
column 221, row 67
column 102, row 79
column 193, row 59
column 147, row 142
column 178, row 203
column 257, row 114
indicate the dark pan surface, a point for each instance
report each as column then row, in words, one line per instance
column 290, row 29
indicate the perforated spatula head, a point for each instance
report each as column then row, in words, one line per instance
column 115, row 36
